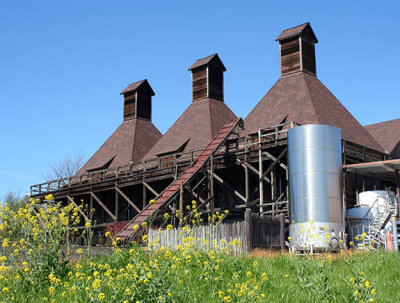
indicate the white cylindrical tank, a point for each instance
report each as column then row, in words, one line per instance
column 315, row 175
column 374, row 199
column 374, row 203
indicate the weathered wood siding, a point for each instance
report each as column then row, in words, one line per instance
column 290, row 55
column 129, row 106
column 206, row 237
column 265, row 232
column 253, row 232
column 199, row 84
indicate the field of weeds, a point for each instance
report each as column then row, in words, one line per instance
column 33, row 270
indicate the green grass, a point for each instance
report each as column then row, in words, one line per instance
column 191, row 276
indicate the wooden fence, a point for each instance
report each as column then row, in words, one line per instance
column 237, row 237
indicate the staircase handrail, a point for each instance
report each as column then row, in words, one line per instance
column 365, row 217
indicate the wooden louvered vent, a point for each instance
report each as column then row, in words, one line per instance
column 137, row 101
column 130, row 107
column 208, row 78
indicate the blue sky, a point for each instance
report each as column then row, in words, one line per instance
column 64, row 63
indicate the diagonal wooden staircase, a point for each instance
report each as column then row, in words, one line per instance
column 128, row 232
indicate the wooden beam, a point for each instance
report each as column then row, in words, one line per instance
column 255, row 171
column 104, row 207
column 276, row 161
column 390, row 167
column 192, row 189
column 260, row 173
column 248, row 232
column 220, row 180
column 282, row 231
column 127, row 199
column 144, row 196
column 80, row 210
column 150, row 188
column 246, row 183
column 204, row 203
column 197, row 185
column 197, row 197
column 116, row 202
column 90, row 204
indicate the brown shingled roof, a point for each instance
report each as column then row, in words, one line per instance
column 386, row 133
column 130, row 142
column 305, row 100
column 206, row 61
column 295, row 31
column 134, row 86
column 199, row 123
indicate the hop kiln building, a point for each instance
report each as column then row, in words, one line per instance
column 217, row 159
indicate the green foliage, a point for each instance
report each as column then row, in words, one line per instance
column 15, row 201
column 134, row 275
column 33, row 269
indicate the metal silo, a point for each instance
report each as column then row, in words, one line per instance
column 315, row 174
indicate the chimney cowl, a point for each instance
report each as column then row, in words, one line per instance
column 137, row 100
column 208, row 79
column 297, row 50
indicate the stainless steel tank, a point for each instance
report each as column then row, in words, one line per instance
column 315, row 175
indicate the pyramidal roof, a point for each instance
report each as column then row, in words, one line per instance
column 134, row 86
column 129, row 142
column 386, row 133
column 302, row 98
column 207, row 60
column 195, row 128
column 296, row 30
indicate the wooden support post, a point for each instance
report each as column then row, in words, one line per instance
column 357, row 198
column 282, row 230
column 79, row 209
column 144, row 201
column 103, row 206
column 116, row 204
column 181, row 203
column 246, row 173
column 90, row 204
column 248, row 231
column 260, row 171
column 287, row 190
column 273, row 185
column 212, row 184
column 127, row 199
column 344, row 179
column 246, row 183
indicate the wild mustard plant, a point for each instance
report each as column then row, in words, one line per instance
column 185, row 274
